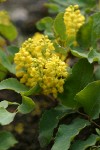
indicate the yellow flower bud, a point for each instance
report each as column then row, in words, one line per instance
column 22, row 80
column 76, row 6
column 19, row 74
column 18, row 67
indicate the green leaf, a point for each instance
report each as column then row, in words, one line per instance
column 81, row 3
column 79, row 53
column 49, row 122
column 84, row 35
column 45, row 24
column 6, row 63
column 82, row 74
column 97, row 73
column 52, row 8
column 60, row 50
column 5, row 116
column 93, row 56
column 13, row 84
column 13, row 103
column 59, row 27
column 7, row 140
column 3, row 72
column 98, row 131
column 33, row 90
column 4, row 104
column 27, row 105
column 96, row 27
column 82, row 145
column 63, row 2
column 86, row 6
column 8, row 31
column 12, row 49
column 89, row 33
column 66, row 134
column 89, row 99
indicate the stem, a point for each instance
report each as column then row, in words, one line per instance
column 51, row 97
column 93, row 122
column 83, row 115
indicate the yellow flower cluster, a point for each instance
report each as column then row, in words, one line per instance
column 54, row 75
column 4, row 18
column 36, row 62
column 40, row 48
column 73, row 20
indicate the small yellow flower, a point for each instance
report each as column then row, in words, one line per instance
column 37, row 36
column 20, row 74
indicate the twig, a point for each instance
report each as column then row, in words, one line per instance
column 88, row 118
column 94, row 123
column 49, row 96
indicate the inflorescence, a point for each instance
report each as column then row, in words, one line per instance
column 37, row 63
column 73, row 20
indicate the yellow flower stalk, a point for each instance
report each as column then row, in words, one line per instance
column 73, row 20
column 36, row 63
